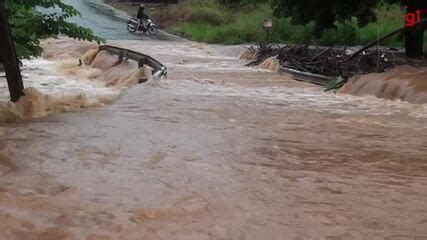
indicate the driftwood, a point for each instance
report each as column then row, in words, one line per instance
column 321, row 53
column 335, row 63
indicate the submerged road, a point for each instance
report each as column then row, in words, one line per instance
column 217, row 151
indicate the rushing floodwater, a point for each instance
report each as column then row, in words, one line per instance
column 216, row 151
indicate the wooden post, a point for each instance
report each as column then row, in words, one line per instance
column 8, row 57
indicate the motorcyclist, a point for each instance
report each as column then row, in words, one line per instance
column 141, row 16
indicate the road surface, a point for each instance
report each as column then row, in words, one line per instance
column 108, row 22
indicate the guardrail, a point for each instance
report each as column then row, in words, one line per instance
column 306, row 76
column 159, row 70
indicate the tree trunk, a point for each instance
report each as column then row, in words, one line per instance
column 414, row 37
column 8, row 57
column 325, row 19
column 414, row 43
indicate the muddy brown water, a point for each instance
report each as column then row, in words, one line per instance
column 404, row 82
column 216, row 151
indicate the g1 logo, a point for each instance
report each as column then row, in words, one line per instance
column 413, row 18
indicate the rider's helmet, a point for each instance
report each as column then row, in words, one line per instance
column 142, row 5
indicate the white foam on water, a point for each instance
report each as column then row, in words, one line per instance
column 307, row 97
column 50, row 90
column 45, row 76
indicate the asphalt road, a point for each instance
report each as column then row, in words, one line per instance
column 108, row 22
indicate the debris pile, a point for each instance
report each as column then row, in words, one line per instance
column 335, row 63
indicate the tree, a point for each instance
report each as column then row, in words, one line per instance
column 32, row 20
column 414, row 37
column 240, row 3
column 9, row 58
column 324, row 14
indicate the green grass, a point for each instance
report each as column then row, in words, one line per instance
column 210, row 22
column 246, row 27
column 389, row 19
column 239, row 29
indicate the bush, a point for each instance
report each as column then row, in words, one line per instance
column 211, row 22
column 284, row 30
column 390, row 17
column 213, row 16
column 328, row 38
column 303, row 34
column 347, row 33
column 238, row 28
column 191, row 11
column 249, row 4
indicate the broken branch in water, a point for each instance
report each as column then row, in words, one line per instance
column 373, row 43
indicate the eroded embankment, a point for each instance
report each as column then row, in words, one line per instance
column 405, row 83
column 57, row 82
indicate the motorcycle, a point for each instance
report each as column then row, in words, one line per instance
column 146, row 25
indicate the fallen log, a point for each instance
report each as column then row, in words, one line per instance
column 373, row 43
column 306, row 76
column 321, row 53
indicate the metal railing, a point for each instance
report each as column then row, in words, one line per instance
column 306, row 76
column 159, row 70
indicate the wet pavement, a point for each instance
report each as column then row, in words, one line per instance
column 108, row 22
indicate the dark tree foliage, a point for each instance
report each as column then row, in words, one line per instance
column 414, row 38
column 32, row 20
column 324, row 14
column 240, row 3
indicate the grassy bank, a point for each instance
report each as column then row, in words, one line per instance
column 210, row 22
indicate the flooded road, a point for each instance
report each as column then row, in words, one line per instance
column 216, row 151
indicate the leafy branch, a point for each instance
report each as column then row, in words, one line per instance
column 32, row 20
